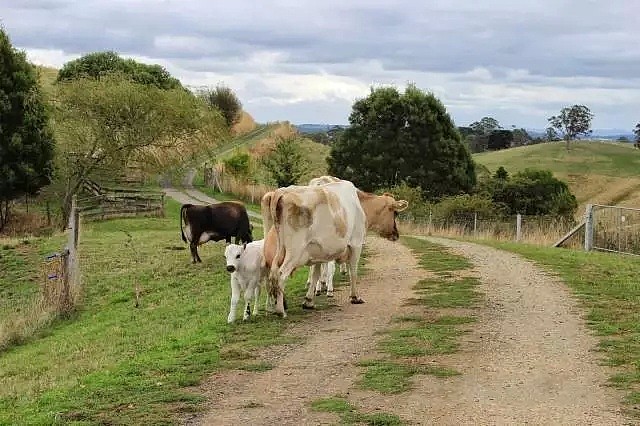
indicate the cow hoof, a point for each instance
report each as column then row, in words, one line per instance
column 318, row 292
column 356, row 300
column 308, row 304
column 329, row 293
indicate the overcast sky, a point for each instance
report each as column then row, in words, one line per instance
column 307, row 61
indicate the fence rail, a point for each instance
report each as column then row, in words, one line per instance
column 105, row 203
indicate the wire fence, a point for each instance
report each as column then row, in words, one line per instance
column 522, row 228
column 615, row 229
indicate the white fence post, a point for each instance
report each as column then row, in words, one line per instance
column 518, row 227
column 588, row 228
column 429, row 230
column 475, row 224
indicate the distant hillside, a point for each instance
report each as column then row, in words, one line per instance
column 597, row 172
column 261, row 139
column 316, row 128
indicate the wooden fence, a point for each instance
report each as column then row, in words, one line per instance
column 104, row 203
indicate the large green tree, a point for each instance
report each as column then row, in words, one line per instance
column 26, row 141
column 572, row 122
column 408, row 137
column 105, row 125
column 99, row 64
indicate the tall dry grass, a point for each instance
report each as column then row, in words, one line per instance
column 540, row 233
column 58, row 297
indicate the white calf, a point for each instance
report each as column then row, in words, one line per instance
column 245, row 264
column 325, row 281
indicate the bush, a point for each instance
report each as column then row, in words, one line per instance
column 466, row 205
column 226, row 101
column 533, row 192
column 239, row 164
column 418, row 206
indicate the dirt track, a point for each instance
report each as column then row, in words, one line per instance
column 528, row 360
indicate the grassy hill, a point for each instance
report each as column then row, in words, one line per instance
column 597, row 172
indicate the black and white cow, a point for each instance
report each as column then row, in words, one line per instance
column 214, row 222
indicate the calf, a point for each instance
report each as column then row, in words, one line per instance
column 246, row 265
column 215, row 222
column 247, row 273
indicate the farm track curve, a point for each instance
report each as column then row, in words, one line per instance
column 528, row 360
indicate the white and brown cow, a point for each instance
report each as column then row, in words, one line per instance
column 310, row 225
column 380, row 211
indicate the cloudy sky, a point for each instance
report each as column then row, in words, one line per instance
column 307, row 61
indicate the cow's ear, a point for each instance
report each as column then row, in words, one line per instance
column 400, row 205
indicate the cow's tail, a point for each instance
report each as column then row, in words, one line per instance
column 183, row 217
column 276, row 208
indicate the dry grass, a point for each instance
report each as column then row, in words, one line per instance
column 244, row 125
column 540, row 234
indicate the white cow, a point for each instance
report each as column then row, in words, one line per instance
column 310, row 225
column 245, row 264
column 376, row 209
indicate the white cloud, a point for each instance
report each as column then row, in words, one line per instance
column 308, row 61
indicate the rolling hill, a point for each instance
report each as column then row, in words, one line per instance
column 597, row 172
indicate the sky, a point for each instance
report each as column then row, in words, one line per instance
column 308, row 61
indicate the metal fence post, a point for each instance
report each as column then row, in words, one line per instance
column 518, row 227
column 588, row 228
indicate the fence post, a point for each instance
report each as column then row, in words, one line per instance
column 429, row 230
column 588, row 228
column 518, row 227
column 475, row 224
column 162, row 205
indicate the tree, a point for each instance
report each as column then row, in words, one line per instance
column 636, row 132
column 572, row 122
column 100, row 64
column 408, row 137
column 105, row 125
column 500, row 139
column 521, row 137
column 26, row 141
column 224, row 100
column 239, row 164
column 286, row 162
column 485, row 126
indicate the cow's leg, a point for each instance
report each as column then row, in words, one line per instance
column 256, row 295
column 235, row 296
column 318, row 283
column 343, row 268
column 315, row 275
column 248, row 296
column 194, row 252
column 353, row 274
column 308, row 280
column 328, row 276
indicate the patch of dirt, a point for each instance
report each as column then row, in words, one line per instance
column 528, row 360
column 325, row 364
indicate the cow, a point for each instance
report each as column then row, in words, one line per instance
column 245, row 264
column 309, row 225
column 214, row 222
column 377, row 209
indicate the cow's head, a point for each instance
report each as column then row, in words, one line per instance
column 232, row 253
column 381, row 212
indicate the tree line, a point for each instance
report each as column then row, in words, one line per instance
column 103, row 115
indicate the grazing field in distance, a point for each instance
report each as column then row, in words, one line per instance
column 597, row 172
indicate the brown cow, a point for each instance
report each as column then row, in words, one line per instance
column 215, row 222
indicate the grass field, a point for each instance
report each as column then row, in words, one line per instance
column 116, row 364
column 597, row 172
column 608, row 287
